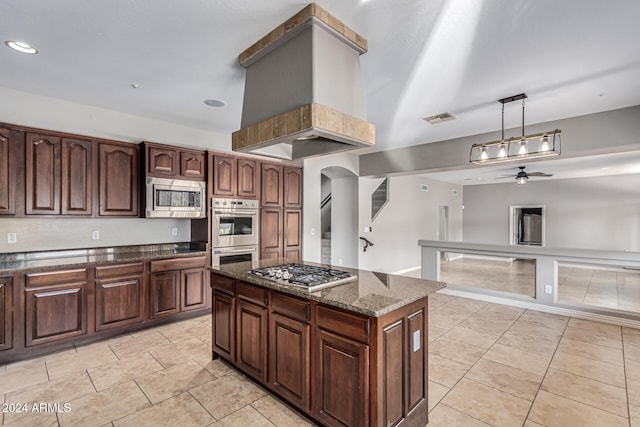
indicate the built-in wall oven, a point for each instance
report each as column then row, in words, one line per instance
column 235, row 230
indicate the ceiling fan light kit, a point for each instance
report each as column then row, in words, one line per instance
column 520, row 148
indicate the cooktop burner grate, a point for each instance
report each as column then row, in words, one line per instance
column 307, row 276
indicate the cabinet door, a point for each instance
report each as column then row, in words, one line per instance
column 248, row 179
column 223, row 325
column 7, row 173
column 6, row 313
column 42, row 175
column 77, row 177
column 118, row 176
column 289, row 359
column 271, row 185
column 251, row 339
column 192, row 165
column 55, row 312
column 162, row 162
column 270, row 233
column 341, row 380
column 165, row 293
column 292, row 244
column 193, row 289
column 292, row 187
column 119, row 302
column 224, row 176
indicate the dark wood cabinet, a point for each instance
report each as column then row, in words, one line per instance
column 292, row 187
column 224, row 175
column 77, row 177
column 178, row 285
column 251, row 330
column 119, row 295
column 270, row 233
column 193, row 285
column 42, row 186
column 161, row 161
column 271, row 185
column 55, row 306
column 248, row 178
column 193, row 165
column 223, row 325
column 289, row 349
column 6, row 313
column 292, row 228
column 118, row 179
column 8, row 166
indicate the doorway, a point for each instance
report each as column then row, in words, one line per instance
column 527, row 225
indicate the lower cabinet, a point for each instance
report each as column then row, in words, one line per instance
column 177, row 285
column 55, row 306
column 119, row 295
column 6, row 313
column 251, row 339
column 223, row 325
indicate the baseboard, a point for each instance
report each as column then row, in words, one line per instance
column 406, row 270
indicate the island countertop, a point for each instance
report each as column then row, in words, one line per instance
column 372, row 293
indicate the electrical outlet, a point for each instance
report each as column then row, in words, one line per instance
column 174, row 231
column 313, row 231
column 95, row 235
column 367, row 229
column 548, row 289
column 12, row 238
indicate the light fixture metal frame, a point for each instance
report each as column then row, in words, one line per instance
column 506, row 150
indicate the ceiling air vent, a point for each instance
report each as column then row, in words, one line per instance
column 439, row 118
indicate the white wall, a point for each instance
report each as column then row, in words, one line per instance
column 39, row 234
column 591, row 213
column 410, row 215
column 344, row 221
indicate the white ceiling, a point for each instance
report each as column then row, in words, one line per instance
column 571, row 57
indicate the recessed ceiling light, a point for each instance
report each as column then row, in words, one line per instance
column 215, row 103
column 135, row 85
column 23, row 47
column 605, row 169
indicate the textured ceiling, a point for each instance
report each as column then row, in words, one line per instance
column 571, row 57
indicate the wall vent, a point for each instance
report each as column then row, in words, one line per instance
column 424, row 187
column 439, row 118
column 379, row 198
column 454, row 192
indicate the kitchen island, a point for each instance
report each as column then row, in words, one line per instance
column 353, row 354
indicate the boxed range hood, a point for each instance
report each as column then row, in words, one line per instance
column 303, row 90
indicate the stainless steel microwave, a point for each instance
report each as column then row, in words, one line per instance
column 175, row 198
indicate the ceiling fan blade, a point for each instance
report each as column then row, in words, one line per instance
column 505, row 176
column 539, row 174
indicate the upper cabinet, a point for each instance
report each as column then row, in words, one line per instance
column 292, row 187
column 7, row 172
column 166, row 161
column 77, row 177
column 43, row 172
column 234, row 176
column 271, row 175
column 118, row 179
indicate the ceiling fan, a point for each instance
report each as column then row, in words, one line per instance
column 522, row 177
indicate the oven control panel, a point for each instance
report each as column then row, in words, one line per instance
column 220, row 203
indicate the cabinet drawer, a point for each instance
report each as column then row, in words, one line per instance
column 223, row 284
column 342, row 323
column 252, row 294
column 178, row 263
column 119, row 270
column 54, row 278
column 293, row 308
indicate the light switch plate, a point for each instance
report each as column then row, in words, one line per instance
column 95, row 235
column 174, row 231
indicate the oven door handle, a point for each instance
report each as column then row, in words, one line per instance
column 233, row 251
column 247, row 213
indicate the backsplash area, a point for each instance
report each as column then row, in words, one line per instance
column 39, row 234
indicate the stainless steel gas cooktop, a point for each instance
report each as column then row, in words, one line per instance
column 305, row 276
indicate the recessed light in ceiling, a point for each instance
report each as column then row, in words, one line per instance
column 135, row 85
column 439, row 118
column 605, row 169
column 218, row 103
column 23, row 47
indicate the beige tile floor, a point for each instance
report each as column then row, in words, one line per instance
column 605, row 288
column 489, row 365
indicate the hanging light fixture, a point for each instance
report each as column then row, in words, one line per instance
column 525, row 147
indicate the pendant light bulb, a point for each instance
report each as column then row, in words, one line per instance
column 522, row 151
column 503, row 152
column 545, row 144
column 483, row 154
column 521, row 180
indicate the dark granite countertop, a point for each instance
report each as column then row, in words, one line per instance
column 372, row 294
column 16, row 262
